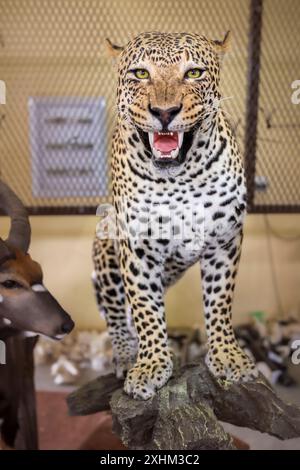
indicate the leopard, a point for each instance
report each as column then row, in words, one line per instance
column 179, row 198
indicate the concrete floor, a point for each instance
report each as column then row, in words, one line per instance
column 254, row 439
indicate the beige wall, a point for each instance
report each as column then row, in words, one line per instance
column 51, row 47
column 63, row 246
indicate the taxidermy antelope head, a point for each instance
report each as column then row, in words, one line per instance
column 24, row 300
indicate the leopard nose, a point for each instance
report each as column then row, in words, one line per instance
column 165, row 116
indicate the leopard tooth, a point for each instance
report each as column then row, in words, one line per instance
column 156, row 153
column 174, row 153
column 180, row 139
column 151, row 138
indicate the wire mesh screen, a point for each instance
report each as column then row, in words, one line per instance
column 277, row 169
column 56, row 125
column 54, row 145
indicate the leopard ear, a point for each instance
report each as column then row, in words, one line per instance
column 224, row 45
column 112, row 49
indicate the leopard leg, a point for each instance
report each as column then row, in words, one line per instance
column 225, row 358
column 143, row 286
column 111, row 300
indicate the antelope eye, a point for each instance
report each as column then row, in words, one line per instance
column 11, row 284
column 194, row 73
column 141, row 74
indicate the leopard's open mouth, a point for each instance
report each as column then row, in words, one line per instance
column 167, row 148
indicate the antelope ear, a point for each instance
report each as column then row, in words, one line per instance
column 112, row 49
column 224, row 45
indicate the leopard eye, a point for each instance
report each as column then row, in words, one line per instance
column 194, row 73
column 141, row 74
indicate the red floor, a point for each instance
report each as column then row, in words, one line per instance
column 59, row 431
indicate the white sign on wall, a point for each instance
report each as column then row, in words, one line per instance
column 68, row 147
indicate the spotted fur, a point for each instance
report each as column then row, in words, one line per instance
column 136, row 271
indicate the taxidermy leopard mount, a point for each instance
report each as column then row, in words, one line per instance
column 175, row 164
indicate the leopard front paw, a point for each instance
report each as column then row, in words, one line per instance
column 145, row 378
column 230, row 363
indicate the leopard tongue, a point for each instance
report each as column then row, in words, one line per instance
column 165, row 143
